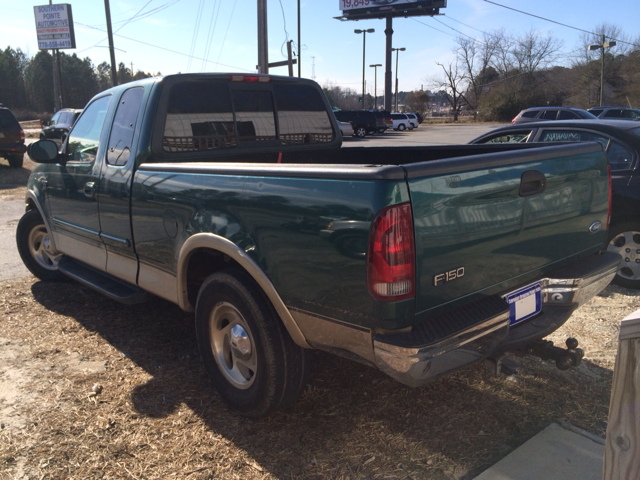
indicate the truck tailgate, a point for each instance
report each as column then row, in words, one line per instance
column 515, row 216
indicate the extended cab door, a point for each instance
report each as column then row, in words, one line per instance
column 71, row 188
column 115, row 187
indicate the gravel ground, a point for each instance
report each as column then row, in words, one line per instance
column 156, row 415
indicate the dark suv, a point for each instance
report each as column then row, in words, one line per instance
column 384, row 120
column 60, row 125
column 12, row 145
column 364, row 122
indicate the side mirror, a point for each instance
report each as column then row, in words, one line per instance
column 43, row 151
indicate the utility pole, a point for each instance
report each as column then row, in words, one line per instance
column 387, row 72
column 57, row 84
column 263, row 38
column 112, row 51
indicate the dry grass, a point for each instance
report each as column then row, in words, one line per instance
column 13, row 181
column 158, row 416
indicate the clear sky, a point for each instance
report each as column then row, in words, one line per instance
column 221, row 34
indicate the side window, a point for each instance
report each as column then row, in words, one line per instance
column 549, row 114
column 566, row 115
column 199, row 117
column 614, row 114
column 530, row 114
column 553, row 135
column 124, row 125
column 620, row 158
column 255, row 115
column 630, row 114
column 84, row 139
column 511, row 137
column 302, row 116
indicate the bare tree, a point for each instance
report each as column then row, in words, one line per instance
column 452, row 81
column 533, row 52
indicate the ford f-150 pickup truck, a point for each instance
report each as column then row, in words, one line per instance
column 230, row 195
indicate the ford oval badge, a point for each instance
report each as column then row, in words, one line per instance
column 595, row 227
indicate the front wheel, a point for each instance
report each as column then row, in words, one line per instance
column 16, row 161
column 360, row 132
column 35, row 247
column 625, row 240
column 248, row 354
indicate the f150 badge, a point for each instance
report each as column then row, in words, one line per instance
column 449, row 276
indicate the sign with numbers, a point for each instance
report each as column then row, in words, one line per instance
column 54, row 24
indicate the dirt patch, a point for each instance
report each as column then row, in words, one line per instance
column 157, row 415
column 13, row 181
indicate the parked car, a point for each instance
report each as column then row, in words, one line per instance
column 364, row 122
column 419, row 116
column 60, row 125
column 401, row 121
column 621, row 113
column 384, row 120
column 413, row 119
column 418, row 260
column 346, row 129
column 540, row 114
column 12, row 146
column 621, row 140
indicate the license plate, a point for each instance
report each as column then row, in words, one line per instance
column 524, row 303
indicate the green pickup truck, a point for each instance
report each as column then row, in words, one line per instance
column 230, row 195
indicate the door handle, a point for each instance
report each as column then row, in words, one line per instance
column 90, row 189
column 532, row 182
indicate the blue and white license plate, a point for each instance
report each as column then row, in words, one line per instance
column 524, row 303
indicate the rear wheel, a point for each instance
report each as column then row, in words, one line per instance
column 625, row 240
column 16, row 161
column 360, row 131
column 401, row 127
column 35, row 247
column 250, row 357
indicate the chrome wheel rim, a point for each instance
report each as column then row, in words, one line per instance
column 627, row 244
column 232, row 345
column 41, row 248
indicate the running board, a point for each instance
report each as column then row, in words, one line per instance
column 106, row 284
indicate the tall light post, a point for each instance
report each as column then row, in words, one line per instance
column 602, row 46
column 364, row 39
column 397, row 50
column 375, row 85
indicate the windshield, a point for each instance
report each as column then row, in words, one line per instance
column 583, row 114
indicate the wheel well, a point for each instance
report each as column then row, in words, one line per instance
column 202, row 263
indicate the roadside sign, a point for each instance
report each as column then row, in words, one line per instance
column 54, row 24
column 361, row 9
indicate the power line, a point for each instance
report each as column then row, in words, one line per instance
column 195, row 34
column 558, row 23
column 166, row 49
column 227, row 31
column 212, row 29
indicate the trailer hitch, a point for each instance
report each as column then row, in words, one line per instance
column 565, row 358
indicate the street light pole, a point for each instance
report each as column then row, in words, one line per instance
column 375, row 85
column 364, row 38
column 397, row 50
column 602, row 46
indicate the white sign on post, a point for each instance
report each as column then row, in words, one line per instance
column 54, row 24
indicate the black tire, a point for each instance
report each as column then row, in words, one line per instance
column 360, row 131
column 264, row 370
column 401, row 127
column 16, row 161
column 35, row 248
column 624, row 239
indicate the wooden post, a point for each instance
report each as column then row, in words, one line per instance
column 622, row 447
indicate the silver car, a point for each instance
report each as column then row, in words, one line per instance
column 541, row 114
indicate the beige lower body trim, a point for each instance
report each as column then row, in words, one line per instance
column 89, row 253
column 158, row 282
column 331, row 334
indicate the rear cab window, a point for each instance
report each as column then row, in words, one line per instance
column 217, row 114
column 509, row 137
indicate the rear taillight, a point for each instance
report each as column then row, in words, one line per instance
column 514, row 120
column 391, row 259
column 610, row 197
column 22, row 135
